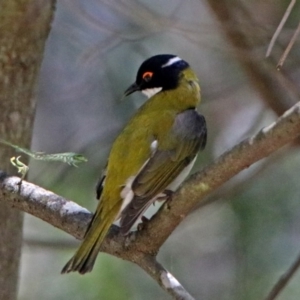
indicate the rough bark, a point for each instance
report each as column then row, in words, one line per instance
column 24, row 27
column 141, row 248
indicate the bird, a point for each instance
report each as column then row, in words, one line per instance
column 152, row 155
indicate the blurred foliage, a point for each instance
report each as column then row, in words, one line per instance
column 233, row 248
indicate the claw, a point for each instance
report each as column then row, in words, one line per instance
column 165, row 196
column 143, row 224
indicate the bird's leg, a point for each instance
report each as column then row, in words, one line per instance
column 143, row 224
column 168, row 197
column 168, row 194
column 165, row 196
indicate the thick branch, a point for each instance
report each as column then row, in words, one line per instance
column 73, row 219
column 240, row 157
column 45, row 205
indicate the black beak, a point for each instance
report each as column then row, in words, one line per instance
column 133, row 88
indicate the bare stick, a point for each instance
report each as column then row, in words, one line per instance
column 261, row 74
column 284, row 280
column 288, row 48
column 280, row 26
column 164, row 278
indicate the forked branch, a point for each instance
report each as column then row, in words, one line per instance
column 74, row 219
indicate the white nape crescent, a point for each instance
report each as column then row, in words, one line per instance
column 171, row 61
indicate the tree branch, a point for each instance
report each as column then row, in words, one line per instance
column 164, row 278
column 74, row 219
column 284, row 280
column 199, row 185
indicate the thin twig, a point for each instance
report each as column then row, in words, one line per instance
column 262, row 74
column 288, row 48
column 53, row 244
column 284, row 280
column 280, row 26
column 164, row 278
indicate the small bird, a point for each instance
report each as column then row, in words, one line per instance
column 152, row 155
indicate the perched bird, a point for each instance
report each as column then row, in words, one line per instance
column 152, row 155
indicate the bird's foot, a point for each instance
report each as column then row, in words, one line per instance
column 168, row 197
column 143, row 224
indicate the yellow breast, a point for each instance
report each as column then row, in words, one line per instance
column 152, row 122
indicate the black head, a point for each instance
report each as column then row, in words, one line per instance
column 159, row 72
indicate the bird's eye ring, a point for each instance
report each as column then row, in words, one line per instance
column 147, row 76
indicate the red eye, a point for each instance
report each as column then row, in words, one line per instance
column 147, row 76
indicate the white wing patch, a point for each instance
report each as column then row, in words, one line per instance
column 154, row 146
column 127, row 193
column 171, row 61
column 173, row 186
column 151, row 92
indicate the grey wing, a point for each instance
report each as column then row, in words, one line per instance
column 190, row 133
column 191, row 126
